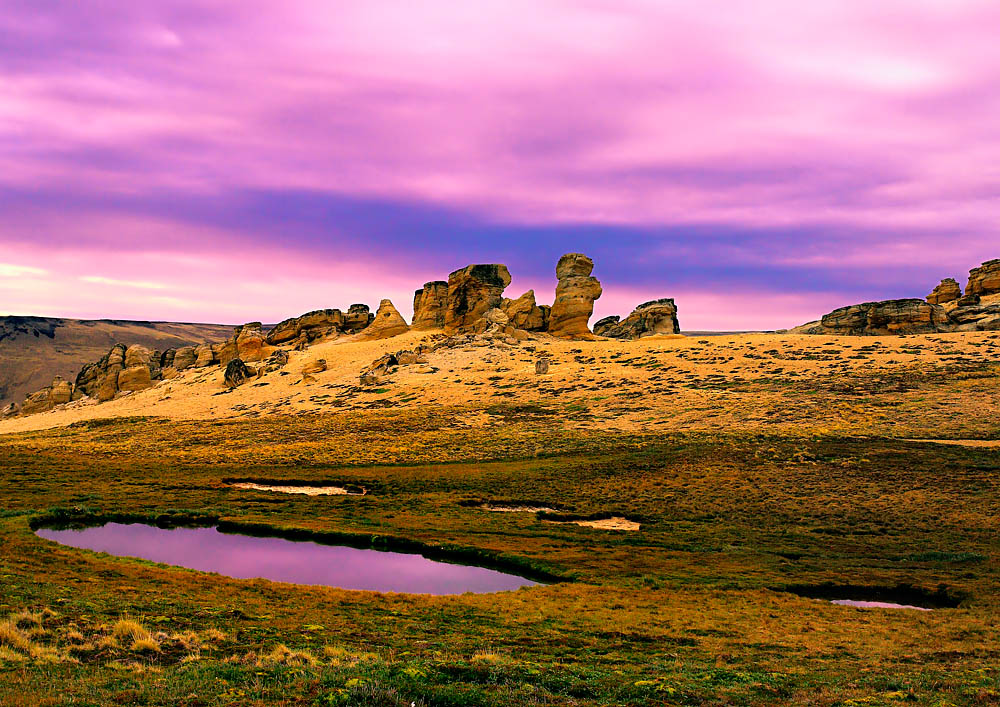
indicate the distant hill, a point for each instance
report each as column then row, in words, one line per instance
column 33, row 350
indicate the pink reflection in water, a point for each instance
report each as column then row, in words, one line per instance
column 280, row 560
column 875, row 604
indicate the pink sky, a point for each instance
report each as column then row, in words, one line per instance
column 203, row 160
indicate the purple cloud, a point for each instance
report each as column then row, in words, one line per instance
column 801, row 155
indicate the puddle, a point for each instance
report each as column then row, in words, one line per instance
column 305, row 490
column 902, row 596
column 518, row 509
column 876, row 604
column 614, row 523
column 282, row 560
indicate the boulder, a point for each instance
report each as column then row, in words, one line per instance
column 649, row 318
column 184, row 358
column 984, row 280
column 575, row 297
column 204, row 355
column 947, row 291
column 472, row 291
column 316, row 366
column 167, row 358
column 10, row 411
column 136, row 355
column 39, row 401
column 429, row 305
column 373, row 372
column 388, row 322
column 541, row 366
column 249, row 342
column 495, row 321
column 524, row 314
column 276, row 361
column 135, row 378
column 900, row 316
column 237, row 373
column 60, row 391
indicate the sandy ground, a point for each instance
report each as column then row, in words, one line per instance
column 304, row 490
column 732, row 381
column 616, row 523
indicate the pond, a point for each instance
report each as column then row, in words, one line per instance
column 281, row 560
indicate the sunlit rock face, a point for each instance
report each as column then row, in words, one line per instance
column 575, row 296
column 472, row 291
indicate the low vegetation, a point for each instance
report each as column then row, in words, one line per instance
column 690, row 609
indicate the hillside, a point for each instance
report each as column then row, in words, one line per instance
column 35, row 349
column 935, row 385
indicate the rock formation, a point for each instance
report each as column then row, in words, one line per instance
column 121, row 369
column 947, row 291
column 945, row 310
column 655, row 317
column 524, row 314
column 472, row 291
column 357, row 318
column 10, row 410
column 984, row 280
column 204, row 355
column 388, row 322
column 898, row 316
column 320, row 324
column 184, row 358
column 429, row 305
column 58, row 393
column 575, row 296
column 237, row 373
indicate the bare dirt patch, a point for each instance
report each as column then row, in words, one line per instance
column 304, row 490
column 613, row 523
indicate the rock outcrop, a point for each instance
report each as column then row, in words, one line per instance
column 204, row 355
column 123, row 368
column 649, row 318
column 947, row 291
column 429, row 305
column 358, row 317
column 898, row 316
column 319, row 324
column 575, row 296
column 59, row 392
column 524, row 314
column 984, row 280
column 184, row 358
column 472, row 291
column 946, row 309
column 387, row 323
column 9, row 410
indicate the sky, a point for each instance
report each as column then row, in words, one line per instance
column 762, row 162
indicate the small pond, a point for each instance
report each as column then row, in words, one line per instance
column 281, row 560
column 902, row 596
column 861, row 604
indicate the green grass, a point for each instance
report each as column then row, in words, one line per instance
column 685, row 611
